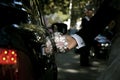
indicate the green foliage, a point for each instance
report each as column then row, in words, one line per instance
column 63, row 16
column 62, row 8
column 52, row 6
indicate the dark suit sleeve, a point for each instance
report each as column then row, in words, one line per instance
column 84, row 23
column 97, row 23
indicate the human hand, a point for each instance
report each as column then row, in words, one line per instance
column 60, row 41
column 64, row 42
column 71, row 42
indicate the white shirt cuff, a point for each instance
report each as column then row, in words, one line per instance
column 79, row 41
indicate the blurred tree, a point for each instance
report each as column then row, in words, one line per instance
column 52, row 6
column 61, row 7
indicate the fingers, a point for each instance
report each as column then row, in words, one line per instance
column 71, row 42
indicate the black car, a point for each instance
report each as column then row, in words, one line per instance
column 100, row 47
column 22, row 41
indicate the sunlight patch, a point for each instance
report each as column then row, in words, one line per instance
column 72, row 71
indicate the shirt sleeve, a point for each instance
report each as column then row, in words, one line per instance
column 79, row 41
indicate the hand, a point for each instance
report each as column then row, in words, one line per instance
column 60, row 41
column 71, row 42
column 65, row 42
